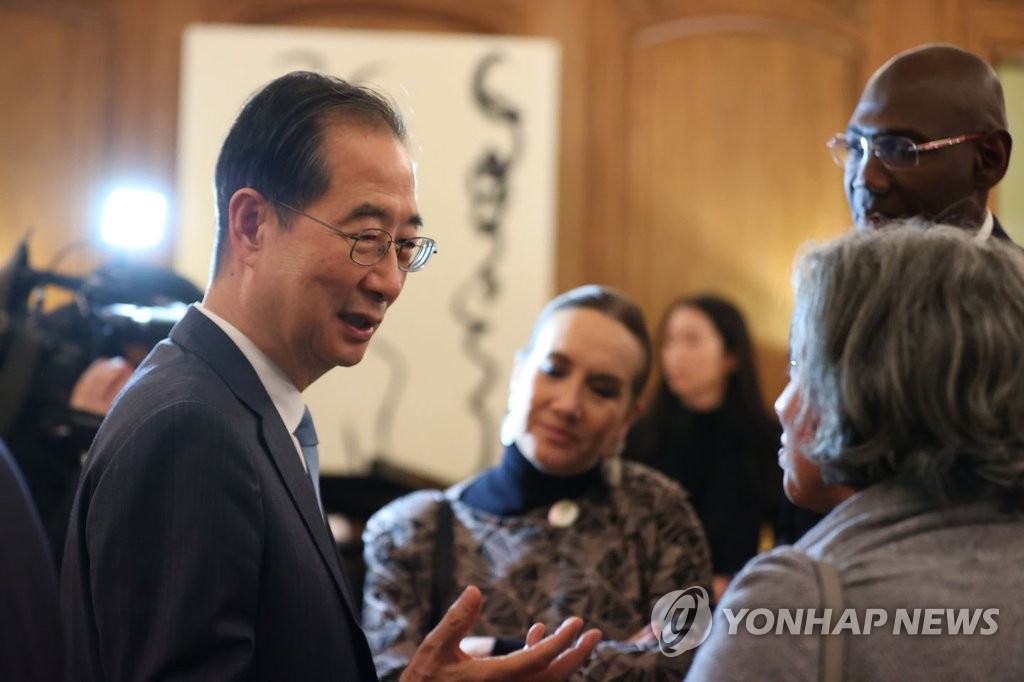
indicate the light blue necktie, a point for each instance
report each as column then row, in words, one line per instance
column 306, row 435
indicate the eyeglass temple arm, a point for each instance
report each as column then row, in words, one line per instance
column 947, row 142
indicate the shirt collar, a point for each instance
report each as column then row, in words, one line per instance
column 282, row 391
column 985, row 231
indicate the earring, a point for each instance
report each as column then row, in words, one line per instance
column 506, row 433
column 613, row 466
column 613, row 470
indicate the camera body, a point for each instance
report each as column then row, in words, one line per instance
column 118, row 307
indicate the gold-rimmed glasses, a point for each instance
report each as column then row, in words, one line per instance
column 369, row 246
column 896, row 152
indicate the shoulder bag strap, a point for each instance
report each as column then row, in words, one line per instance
column 830, row 667
column 442, row 560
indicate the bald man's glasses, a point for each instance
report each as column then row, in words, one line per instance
column 370, row 246
column 894, row 151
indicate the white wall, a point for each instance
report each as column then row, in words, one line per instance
column 1011, row 190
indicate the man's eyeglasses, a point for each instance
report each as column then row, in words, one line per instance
column 894, row 151
column 371, row 245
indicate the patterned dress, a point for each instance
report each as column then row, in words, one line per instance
column 635, row 540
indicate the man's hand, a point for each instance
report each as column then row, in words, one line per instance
column 544, row 659
column 99, row 385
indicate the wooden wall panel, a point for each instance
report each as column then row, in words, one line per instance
column 145, row 68
column 721, row 190
column 995, row 30
column 688, row 126
column 724, row 172
column 897, row 26
column 54, row 127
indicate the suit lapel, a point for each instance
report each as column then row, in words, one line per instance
column 289, row 467
column 201, row 336
column 997, row 229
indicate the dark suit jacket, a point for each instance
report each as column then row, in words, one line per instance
column 998, row 231
column 196, row 549
column 30, row 632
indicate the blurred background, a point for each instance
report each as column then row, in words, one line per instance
column 691, row 134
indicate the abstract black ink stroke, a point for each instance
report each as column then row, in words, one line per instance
column 473, row 304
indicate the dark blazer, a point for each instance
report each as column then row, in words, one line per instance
column 30, row 632
column 998, row 231
column 196, row 549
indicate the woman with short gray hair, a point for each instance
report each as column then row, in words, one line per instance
column 904, row 421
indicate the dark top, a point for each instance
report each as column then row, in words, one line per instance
column 515, row 486
column 997, row 230
column 730, row 471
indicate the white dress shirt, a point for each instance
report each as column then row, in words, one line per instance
column 985, row 231
column 282, row 391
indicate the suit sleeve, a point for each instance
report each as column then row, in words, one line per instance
column 172, row 532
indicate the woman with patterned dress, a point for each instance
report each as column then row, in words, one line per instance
column 561, row 526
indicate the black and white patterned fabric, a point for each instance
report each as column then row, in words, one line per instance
column 634, row 541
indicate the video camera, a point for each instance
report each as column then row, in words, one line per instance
column 42, row 355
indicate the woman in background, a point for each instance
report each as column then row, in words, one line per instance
column 561, row 526
column 708, row 429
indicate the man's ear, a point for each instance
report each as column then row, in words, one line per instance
column 249, row 214
column 994, row 158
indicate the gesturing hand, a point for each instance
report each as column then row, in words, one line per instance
column 543, row 659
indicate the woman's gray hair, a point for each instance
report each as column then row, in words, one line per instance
column 908, row 349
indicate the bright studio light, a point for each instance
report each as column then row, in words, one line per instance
column 134, row 218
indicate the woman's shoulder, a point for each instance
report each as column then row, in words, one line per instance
column 641, row 480
column 649, row 498
column 407, row 514
column 776, row 577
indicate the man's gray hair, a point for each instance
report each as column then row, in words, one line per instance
column 908, row 348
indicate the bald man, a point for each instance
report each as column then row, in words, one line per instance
column 928, row 140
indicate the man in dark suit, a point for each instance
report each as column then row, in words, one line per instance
column 927, row 140
column 197, row 547
column 30, row 646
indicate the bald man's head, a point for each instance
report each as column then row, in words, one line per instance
column 957, row 88
column 933, row 92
